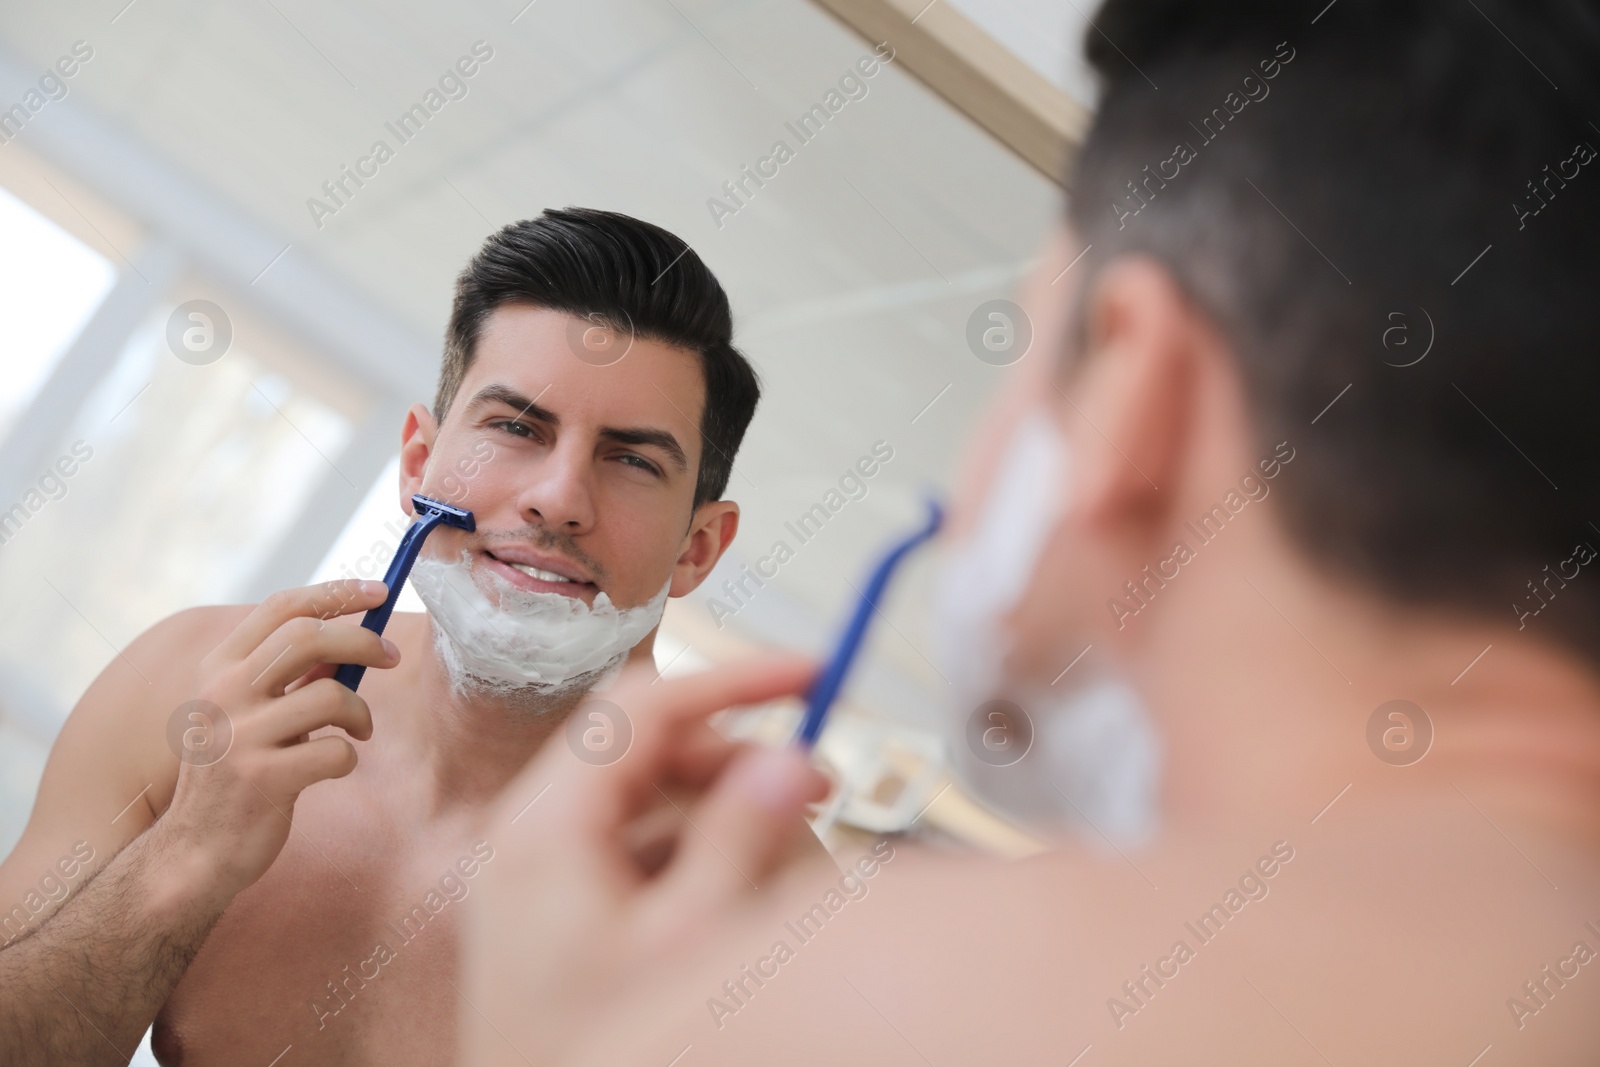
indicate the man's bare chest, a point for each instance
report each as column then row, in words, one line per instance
column 344, row 952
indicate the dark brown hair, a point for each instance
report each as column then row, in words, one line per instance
column 1405, row 165
column 634, row 277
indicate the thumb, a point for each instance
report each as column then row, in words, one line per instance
column 741, row 830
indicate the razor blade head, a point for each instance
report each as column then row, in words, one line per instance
column 448, row 514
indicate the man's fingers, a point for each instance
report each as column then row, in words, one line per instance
column 740, row 831
column 698, row 754
column 325, row 601
column 664, row 714
column 303, row 643
column 696, row 696
column 324, row 702
column 600, row 799
column 321, row 670
column 301, row 766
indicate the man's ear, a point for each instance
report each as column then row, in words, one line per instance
column 416, row 447
column 710, row 533
column 1130, row 398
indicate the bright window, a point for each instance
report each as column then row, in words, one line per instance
column 185, row 479
column 50, row 283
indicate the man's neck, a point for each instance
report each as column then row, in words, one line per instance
column 469, row 742
column 1264, row 676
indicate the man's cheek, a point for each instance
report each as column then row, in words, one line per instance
column 482, row 452
column 469, row 484
column 1042, row 616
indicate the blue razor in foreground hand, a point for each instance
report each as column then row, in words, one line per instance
column 826, row 688
column 430, row 513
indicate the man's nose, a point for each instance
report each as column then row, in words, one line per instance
column 559, row 488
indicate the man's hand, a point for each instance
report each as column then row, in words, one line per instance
column 82, row 986
column 263, row 691
column 571, row 915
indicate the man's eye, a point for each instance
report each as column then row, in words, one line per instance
column 639, row 461
column 515, row 429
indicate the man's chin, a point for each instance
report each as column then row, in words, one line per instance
column 529, row 698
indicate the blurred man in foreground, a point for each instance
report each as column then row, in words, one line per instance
column 1346, row 567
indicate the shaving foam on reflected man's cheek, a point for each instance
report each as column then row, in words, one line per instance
column 1096, row 754
column 543, row 641
column 987, row 575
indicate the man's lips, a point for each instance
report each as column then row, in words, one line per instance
column 513, row 562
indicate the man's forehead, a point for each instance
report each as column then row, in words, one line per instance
column 528, row 351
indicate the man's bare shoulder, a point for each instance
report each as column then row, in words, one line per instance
column 111, row 770
column 1389, row 938
column 160, row 665
column 120, row 723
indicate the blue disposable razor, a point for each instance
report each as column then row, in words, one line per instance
column 825, row 690
column 430, row 513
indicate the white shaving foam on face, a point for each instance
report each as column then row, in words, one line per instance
column 1095, row 746
column 988, row 574
column 546, row 642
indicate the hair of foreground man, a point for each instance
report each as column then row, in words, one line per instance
column 1267, row 191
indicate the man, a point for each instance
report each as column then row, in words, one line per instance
column 297, row 897
column 1350, row 577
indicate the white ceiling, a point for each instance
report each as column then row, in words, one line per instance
column 852, row 273
column 1045, row 34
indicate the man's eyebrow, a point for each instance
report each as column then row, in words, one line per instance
column 504, row 394
column 642, row 436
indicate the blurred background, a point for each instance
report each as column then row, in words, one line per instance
column 184, row 157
